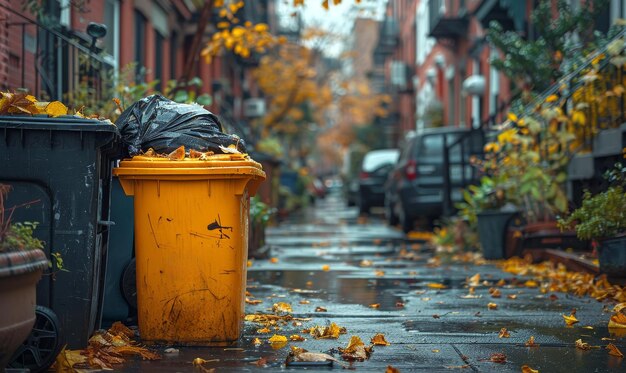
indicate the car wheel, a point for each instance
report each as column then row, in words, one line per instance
column 406, row 222
column 392, row 218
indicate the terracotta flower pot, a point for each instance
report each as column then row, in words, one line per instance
column 19, row 273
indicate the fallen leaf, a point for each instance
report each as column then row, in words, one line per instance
column 553, row 297
column 512, row 296
column 583, row 345
column 379, row 340
column 304, row 301
column 435, row 316
column 282, row 307
column 325, row 268
column 492, row 306
column 356, row 350
column 498, row 357
column 322, row 332
column 253, row 301
column 178, row 154
column 296, row 338
column 366, row 263
column 570, row 320
column 474, row 280
column 171, row 350
column 300, row 354
column 399, row 304
column 391, row 369
column 263, row 330
column 375, row 305
column 320, row 309
column 256, row 342
column 379, row 273
column 495, row 293
column 531, row 284
column 504, row 333
column 274, row 260
column 435, row 285
column 261, row 362
column 613, row 350
column 56, row 109
column 531, row 342
column 527, row 369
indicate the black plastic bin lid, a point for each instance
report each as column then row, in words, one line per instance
column 62, row 123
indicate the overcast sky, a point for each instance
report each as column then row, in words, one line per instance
column 338, row 19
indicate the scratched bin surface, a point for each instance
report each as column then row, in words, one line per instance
column 191, row 229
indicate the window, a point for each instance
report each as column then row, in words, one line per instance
column 111, row 40
column 158, row 61
column 173, row 52
column 494, row 84
column 140, row 45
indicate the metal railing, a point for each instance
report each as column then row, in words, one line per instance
column 565, row 88
column 51, row 61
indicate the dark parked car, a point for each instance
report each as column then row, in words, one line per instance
column 375, row 169
column 415, row 187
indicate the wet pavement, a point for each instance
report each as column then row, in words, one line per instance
column 326, row 257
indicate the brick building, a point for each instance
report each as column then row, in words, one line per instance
column 433, row 58
column 47, row 54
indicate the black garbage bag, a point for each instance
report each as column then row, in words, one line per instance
column 164, row 125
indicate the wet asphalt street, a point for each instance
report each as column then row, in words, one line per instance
column 327, row 257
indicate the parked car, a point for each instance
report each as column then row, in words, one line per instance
column 415, row 187
column 375, row 168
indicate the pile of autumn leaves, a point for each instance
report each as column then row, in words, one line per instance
column 22, row 103
column 356, row 350
column 105, row 349
column 556, row 278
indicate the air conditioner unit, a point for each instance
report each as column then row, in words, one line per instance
column 254, row 107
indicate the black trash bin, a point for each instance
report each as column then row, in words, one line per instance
column 60, row 172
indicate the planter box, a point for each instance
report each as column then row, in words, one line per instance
column 612, row 255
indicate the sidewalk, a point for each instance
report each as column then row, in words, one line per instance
column 427, row 314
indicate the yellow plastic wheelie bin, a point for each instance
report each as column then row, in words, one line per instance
column 191, row 244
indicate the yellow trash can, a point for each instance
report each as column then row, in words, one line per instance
column 191, row 244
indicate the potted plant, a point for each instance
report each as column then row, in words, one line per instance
column 22, row 262
column 602, row 219
column 488, row 209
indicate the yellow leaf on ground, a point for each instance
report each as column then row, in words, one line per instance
column 583, row 345
column 276, row 338
column 56, row 108
column 282, row 307
column 375, row 305
column 256, row 342
column 504, row 333
column 570, row 320
column 325, row 268
column 492, row 306
column 391, row 369
column 379, row 340
column 613, row 350
column 435, row 285
column 296, row 338
column 531, row 342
